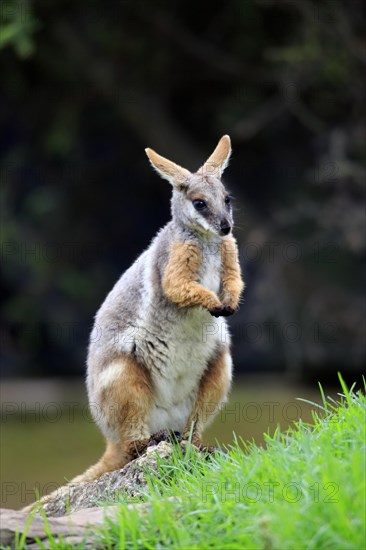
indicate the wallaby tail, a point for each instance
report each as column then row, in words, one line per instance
column 112, row 459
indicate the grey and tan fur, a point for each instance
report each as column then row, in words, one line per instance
column 159, row 354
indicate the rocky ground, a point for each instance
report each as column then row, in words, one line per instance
column 75, row 508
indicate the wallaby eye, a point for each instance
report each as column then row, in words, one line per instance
column 199, row 204
column 227, row 199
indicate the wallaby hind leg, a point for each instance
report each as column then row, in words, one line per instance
column 127, row 399
column 124, row 407
column 125, row 404
column 213, row 389
column 123, row 393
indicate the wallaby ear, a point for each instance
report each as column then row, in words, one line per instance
column 176, row 175
column 217, row 162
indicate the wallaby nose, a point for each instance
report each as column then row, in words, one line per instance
column 225, row 227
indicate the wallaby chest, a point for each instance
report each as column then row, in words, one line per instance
column 210, row 271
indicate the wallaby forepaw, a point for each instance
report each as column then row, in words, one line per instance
column 222, row 311
column 231, row 308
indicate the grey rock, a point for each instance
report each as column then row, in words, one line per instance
column 129, row 480
column 75, row 509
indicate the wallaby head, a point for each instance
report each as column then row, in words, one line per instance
column 200, row 202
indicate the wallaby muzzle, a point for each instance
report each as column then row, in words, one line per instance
column 225, row 227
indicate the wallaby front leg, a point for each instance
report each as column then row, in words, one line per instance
column 213, row 389
column 232, row 283
column 179, row 280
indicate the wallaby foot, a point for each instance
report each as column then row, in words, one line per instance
column 137, row 448
column 170, row 436
column 198, row 446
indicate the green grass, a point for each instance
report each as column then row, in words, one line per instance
column 305, row 489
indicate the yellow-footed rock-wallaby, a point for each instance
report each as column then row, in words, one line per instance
column 157, row 356
column 155, row 361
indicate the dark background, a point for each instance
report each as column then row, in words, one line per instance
column 86, row 86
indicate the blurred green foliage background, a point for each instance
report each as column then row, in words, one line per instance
column 86, row 86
